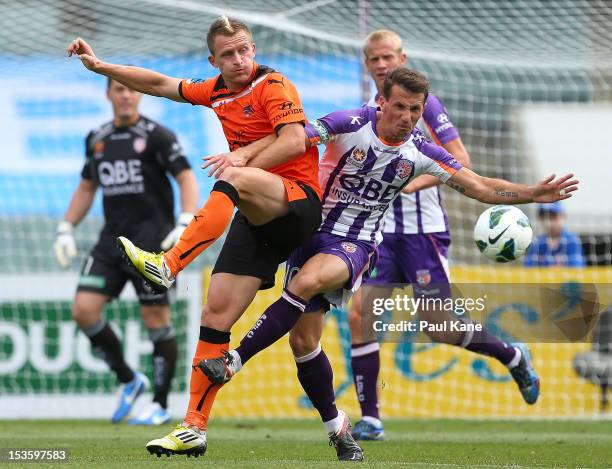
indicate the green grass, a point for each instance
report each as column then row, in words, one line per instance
column 298, row 444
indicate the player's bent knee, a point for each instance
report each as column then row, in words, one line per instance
column 84, row 316
column 302, row 344
column 244, row 180
column 232, row 175
column 214, row 316
column 306, row 285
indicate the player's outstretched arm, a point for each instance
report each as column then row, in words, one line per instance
column 500, row 191
column 136, row 78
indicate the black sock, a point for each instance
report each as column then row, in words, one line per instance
column 164, row 364
column 105, row 344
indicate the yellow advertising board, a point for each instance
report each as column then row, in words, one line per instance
column 420, row 379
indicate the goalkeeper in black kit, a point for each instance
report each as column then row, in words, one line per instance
column 129, row 159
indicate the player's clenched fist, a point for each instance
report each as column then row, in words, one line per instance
column 84, row 51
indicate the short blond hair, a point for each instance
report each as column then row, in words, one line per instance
column 226, row 27
column 381, row 35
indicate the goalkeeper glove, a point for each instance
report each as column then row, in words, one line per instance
column 172, row 238
column 64, row 246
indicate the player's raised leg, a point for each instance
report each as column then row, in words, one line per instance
column 320, row 273
column 514, row 356
column 430, row 252
column 259, row 195
column 327, row 263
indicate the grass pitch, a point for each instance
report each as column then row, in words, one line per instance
column 298, row 444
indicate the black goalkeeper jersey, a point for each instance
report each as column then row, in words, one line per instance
column 130, row 165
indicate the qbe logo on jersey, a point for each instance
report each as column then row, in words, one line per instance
column 121, row 177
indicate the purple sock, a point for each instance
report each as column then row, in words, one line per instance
column 317, row 378
column 365, row 361
column 485, row 343
column 273, row 324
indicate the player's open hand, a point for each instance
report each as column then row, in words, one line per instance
column 551, row 189
column 218, row 163
column 84, row 51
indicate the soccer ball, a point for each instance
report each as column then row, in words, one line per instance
column 503, row 233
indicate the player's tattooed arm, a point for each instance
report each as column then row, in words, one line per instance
column 458, row 187
column 500, row 191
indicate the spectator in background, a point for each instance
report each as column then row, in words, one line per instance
column 556, row 247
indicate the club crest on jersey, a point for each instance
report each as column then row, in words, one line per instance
column 139, row 145
column 248, row 110
column 404, row 168
column 357, row 157
column 349, row 247
column 423, row 277
column 98, row 149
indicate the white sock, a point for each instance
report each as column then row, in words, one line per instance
column 374, row 421
column 516, row 360
column 309, row 356
column 334, row 425
column 194, row 428
column 237, row 366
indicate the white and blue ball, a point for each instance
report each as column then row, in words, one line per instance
column 503, row 233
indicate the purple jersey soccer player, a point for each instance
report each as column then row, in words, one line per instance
column 370, row 157
column 416, row 234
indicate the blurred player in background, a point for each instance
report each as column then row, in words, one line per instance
column 278, row 201
column 558, row 246
column 129, row 159
column 371, row 156
column 415, row 245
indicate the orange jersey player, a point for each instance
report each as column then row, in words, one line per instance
column 276, row 193
column 268, row 102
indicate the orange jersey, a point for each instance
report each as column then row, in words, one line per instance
column 269, row 101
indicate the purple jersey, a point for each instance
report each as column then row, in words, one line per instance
column 422, row 212
column 361, row 175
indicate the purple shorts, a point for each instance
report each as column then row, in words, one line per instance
column 359, row 256
column 418, row 259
